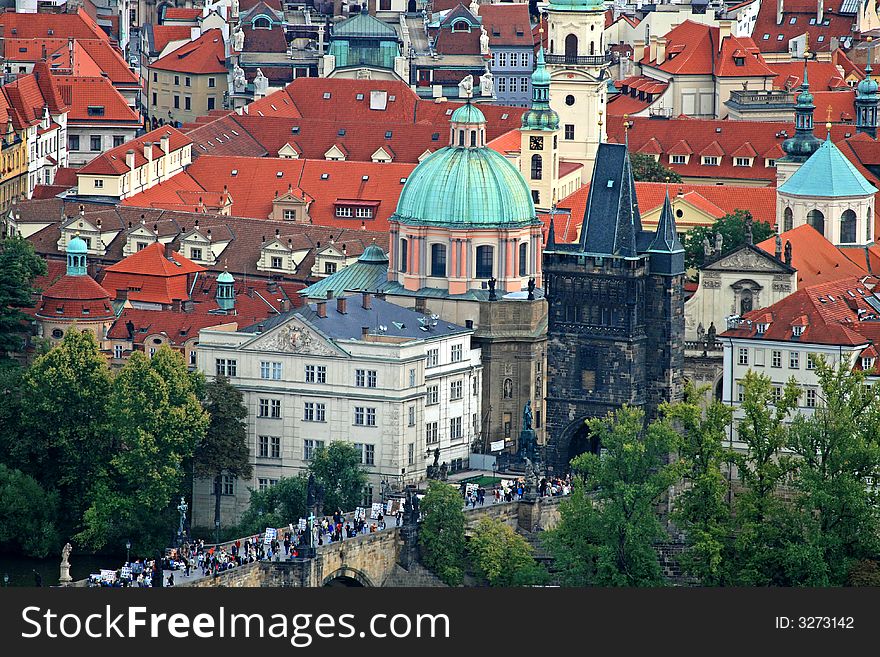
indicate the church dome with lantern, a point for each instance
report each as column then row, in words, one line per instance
column 465, row 216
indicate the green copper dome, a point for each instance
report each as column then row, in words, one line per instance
column 576, row 5
column 77, row 245
column 225, row 277
column 867, row 88
column 467, row 113
column 827, row 174
column 459, row 187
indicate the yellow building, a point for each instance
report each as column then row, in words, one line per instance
column 13, row 164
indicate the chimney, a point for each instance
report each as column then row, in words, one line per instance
column 652, row 47
column 341, row 305
column 284, row 304
column 122, row 295
column 322, row 308
column 779, row 10
column 365, row 332
column 329, row 294
column 169, row 252
column 469, row 323
column 820, row 11
column 187, row 305
column 148, row 150
column 661, row 50
column 165, row 143
column 175, row 305
column 638, row 50
column 725, row 28
column 367, row 301
column 129, row 159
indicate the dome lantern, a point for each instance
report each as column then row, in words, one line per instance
column 77, row 249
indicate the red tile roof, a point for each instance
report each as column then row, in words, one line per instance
column 801, row 11
column 150, row 277
column 182, row 14
column 83, row 93
column 165, row 34
column 202, row 56
column 823, row 76
column 692, row 49
column 262, row 40
column 816, row 259
column 507, row 24
column 833, row 313
column 75, row 297
column 113, row 162
column 109, row 61
column 716, row 200
column 25, row 101
column 37, row 26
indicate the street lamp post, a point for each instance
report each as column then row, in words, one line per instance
column 127, row 550
column 217, row 532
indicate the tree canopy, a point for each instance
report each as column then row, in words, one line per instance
column 441, row 534
column 646, row 169
column 19, row 267
column 501, row 556
column 338, row 469
column 732, row 228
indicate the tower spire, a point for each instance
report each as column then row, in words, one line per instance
column 866, row 98
column 666, row 250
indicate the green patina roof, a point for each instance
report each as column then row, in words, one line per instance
column 827, row 173
column 576, row 5
column 363, row 25
column 467, row 113
column 368, row 274
column 461, row 187
column 225, row 277
column 77, row 245
column 540, row 116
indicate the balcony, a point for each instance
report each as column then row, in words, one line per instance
column 576, row 60
column 778, row 98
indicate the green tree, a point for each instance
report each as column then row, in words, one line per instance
column 338, row 469
column 732, row 227
column 501, row 556
column 19, row 267
column 277, row 506
column 611, row 524
column 836, row 451
column 441, row 534
column 701, row 508
column 646, row 169
column 65, row 422
column 157, row 423
column 224, row 449
column 771, row 546
column 27, row 514
column 11, row 400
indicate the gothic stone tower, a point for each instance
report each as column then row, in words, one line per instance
column 616, row 312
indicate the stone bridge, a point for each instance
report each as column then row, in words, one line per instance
column 385, row 558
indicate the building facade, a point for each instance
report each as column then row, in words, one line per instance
column 358, row 370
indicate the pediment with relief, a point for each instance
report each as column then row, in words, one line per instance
column 293, row 337
column 746, row 259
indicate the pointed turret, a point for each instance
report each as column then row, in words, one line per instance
column 866, row 99
column 551, row 234
column 541, row 116
column 225, row 291
column 804, row 143
column 667, row 252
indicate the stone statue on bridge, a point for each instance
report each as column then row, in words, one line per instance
column 65, row 564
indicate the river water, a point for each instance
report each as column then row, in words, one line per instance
column 21, row 569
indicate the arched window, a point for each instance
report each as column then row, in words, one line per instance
column 848, row 227
column 817, row 220
column 788, row 219
column 868, row 226
column 523, row 258
column 537, row 167
column 438, row 260
column 473, row 138
column 508, row 389
column 485, row 261
column 404, row 253
column 592, row 47
column 461, row 26
column 461, row 137
column 571, row 47
column 262, row 23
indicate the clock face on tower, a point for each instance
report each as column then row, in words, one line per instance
column 536, row 143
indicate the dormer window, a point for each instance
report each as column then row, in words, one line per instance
column 868, row 364
column 797, row 331
column 461, row 26
column 739, row 61
column 710, row 160
column 762, row 328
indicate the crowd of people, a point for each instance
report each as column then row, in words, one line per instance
column 198, row 559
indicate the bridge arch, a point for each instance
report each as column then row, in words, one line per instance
column 347, row 576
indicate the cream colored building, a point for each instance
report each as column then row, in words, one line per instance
column 394, row 382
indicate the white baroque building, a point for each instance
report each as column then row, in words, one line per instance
column 393, row 382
